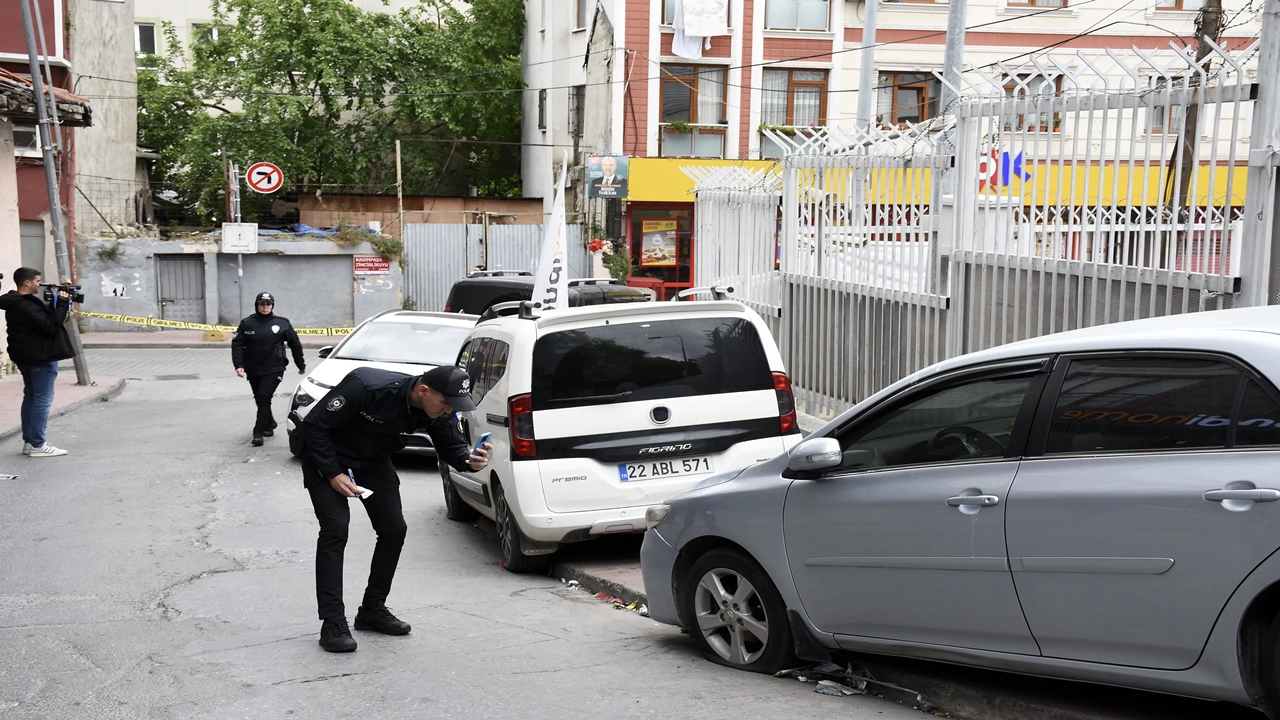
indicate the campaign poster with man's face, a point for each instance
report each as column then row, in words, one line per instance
column 607, row 176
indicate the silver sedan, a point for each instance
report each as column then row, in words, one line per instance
column 1098, row 505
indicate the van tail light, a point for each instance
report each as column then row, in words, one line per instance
column 787, row 422
column 520, row 410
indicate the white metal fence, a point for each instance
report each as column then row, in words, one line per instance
column 1071, row 190
column 438, row 255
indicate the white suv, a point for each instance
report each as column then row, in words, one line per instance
column 599, row 412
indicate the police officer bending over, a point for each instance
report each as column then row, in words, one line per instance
column 257, row 351
column 350, row 436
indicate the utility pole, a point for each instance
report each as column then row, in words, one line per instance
column 867, row 72
column 1260, row 244
column 399, row 193
column 953, row 54
column 1208, row 25
column 51, row 186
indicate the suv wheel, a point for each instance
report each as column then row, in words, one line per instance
column 454, row 507
column 736, row 615
column 509, row 536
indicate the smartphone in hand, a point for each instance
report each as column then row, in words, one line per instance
column 480, row 443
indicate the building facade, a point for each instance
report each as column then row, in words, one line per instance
column 615, row 77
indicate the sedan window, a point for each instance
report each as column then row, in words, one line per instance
column 402, row 342
column 968, row 421
column 1259, row 418
column 1128, row 404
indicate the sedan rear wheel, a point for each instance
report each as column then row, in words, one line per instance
column 737, row 616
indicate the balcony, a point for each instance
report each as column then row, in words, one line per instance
column 688, row 140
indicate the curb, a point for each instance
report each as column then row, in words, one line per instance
column 595, row 583
column 98, row 397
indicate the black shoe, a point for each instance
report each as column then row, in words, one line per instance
column 381, row 620
column 335, row 636
column 257, row 441
column 268, row 433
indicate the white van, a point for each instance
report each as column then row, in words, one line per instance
column 597, row 413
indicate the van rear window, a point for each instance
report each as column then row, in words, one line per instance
column 648, row 360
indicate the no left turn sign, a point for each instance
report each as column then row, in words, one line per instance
column 264, row 177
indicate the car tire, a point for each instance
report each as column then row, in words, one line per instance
column 1269, row 670
column 455, row 508
column 509, row 537
column 730, row 602
column 295, row 443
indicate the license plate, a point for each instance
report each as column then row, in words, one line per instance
column 662, row 469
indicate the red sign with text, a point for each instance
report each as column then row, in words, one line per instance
column 371, row 264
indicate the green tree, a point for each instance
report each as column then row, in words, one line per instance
column 323, row 89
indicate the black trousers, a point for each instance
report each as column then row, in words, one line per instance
column 334, row 513
column 264, row 388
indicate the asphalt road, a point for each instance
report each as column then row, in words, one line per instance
column 164, row 570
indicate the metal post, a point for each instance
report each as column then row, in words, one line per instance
column 1258, row 266
column 399, row 193
column 51, row 186
column 953, row 54
column 867, row 73
column 240, row 281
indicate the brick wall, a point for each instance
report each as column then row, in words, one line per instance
column 748, row 31
column 804, row 49
column 635, row 98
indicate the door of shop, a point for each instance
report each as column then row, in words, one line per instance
column 661, row 240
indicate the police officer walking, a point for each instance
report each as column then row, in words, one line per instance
column 258, row 353
column 350, row 436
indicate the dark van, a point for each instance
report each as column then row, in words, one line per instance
column 480, row 290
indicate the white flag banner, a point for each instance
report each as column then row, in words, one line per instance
column 551, row 281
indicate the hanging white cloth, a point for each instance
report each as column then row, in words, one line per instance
column 706, row 18
column 682, row 44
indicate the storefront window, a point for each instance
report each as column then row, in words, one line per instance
column 661, row 249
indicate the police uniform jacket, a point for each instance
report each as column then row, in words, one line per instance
column 258, row 346
column 37, row 331
column 363, row 418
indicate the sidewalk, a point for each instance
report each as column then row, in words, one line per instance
column 67, row 396
column 179, row 339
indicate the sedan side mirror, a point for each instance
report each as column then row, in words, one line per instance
column 324, row 351
column 814, row 455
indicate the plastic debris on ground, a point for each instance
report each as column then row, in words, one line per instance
column 836, row 680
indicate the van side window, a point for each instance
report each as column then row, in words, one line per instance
column 1259, row 422
column 967, row 421
column 496, row 367
column 1135, row 404
column 475, row 366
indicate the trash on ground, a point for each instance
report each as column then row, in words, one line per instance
column 831, row 687
column 573, row 583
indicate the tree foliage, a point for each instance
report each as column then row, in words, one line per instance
column 324, row 89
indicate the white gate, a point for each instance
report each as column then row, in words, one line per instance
column 1075, row 196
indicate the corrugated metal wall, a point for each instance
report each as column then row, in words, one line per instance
column 438, row 255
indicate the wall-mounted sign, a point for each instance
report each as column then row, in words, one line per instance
column 607, row 176
column 240, row 238
column 658, row 238
column 371, row 264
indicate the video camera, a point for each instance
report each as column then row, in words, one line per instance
column 51, row 292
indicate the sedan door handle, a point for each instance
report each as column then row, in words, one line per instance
column 980, row 500
column 1256, row 495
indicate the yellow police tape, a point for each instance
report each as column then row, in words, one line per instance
column 179, row 325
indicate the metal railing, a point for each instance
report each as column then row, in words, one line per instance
column 1059, row 193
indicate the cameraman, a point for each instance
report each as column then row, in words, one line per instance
column 37, row 341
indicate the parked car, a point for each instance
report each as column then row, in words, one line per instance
column 599, row 412
column 400, row 340
column 481, row 290
column 1097, row 505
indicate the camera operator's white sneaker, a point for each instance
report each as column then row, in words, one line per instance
column 46, row 450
